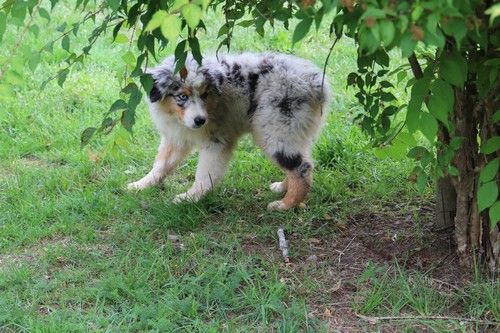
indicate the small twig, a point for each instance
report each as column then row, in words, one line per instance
column 444, row 283
column 470, row 320
column 342, row 252
column 283, row 244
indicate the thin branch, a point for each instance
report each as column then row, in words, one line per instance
column 87, row 17
column 283, row 244
column 345, row 249
column 411, row 318
column 326, row 64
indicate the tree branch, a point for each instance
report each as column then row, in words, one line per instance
column 415, row 66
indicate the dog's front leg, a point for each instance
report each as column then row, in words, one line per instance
column 212, row 166
column 167, row 159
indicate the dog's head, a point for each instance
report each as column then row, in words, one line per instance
column 187, row 95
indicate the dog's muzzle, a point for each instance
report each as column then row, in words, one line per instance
column 199, row 121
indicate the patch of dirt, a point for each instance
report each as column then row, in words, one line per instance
column 341, row 251
column 30, row 160
column 32, row 255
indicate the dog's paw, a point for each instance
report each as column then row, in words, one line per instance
column 277, row 187
column 183, row 197
column 136, row 186
column 277, row 205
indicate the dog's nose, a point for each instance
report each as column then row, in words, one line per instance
column 198, row 121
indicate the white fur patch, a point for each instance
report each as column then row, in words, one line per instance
column 277, row 187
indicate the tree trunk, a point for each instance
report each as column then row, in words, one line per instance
column 474, row 236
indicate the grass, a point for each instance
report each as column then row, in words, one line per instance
column 79, row 253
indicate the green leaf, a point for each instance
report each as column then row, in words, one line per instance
column 62, row 27
column 121, row 39
column 453, row 69
column 418, row 93
column 457, row 28
column 171, row 27
column 386, row 84
column 487, row 195
column 494, row 214
column 387, row 96
column 442, row 100
column 3, row 24
column 34, row 29
column 14, row 78
column 128, row 115
column 489, row 171
column 407, row 45
column 491, row 145
column 194, row 45
column 65, row 43
column 373, row 12
column 387, row 31
column 413, row 115
column 118, row 105
column 128, row 119
column 417, row 152
column 494, row 12
column 496, row 117
column 428, row 126
column 147, row 82
column 34, row 60
column 301, row 29
column 453, row 171
column 44, row 13
column 192, row 13
column 156, row 20
column 61, row 76
column 129, row 58
column 114, row 4
column 86, row 136
column 178, row 4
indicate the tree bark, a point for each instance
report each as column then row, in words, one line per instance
column 465, row 160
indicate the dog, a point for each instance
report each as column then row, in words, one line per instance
column 280, row 99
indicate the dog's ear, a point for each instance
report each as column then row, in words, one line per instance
column 155, row 94
column 164, row 83
column 215, row 79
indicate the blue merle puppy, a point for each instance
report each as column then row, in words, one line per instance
column 278, row 98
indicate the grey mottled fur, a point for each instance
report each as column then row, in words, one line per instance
column 277, row 98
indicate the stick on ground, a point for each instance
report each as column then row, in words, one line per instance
column 283, row 244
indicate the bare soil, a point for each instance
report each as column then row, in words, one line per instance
column 341, row 251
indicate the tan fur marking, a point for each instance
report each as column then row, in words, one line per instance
column 169, row 106
column 284, row 183
column 168, row 154
column 165, row 153
column 297, row 189
column 186, row 91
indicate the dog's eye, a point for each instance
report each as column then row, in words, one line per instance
column 181, row 98
column 204, row 95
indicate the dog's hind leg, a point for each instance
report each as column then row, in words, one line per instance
column 167, row 159
column 212, row 165
column 298, row 185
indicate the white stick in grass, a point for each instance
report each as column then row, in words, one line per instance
column 283, row 244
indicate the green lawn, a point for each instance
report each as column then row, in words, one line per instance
column 80, row 253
